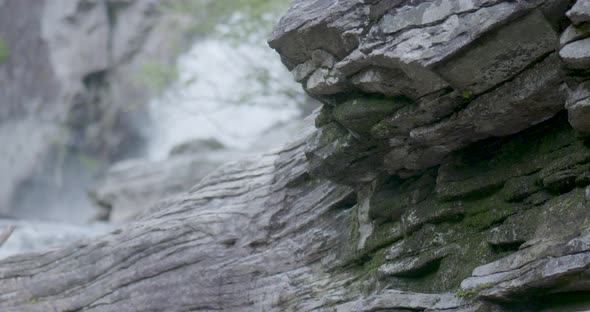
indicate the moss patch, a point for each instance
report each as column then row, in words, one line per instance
column 469, row 292
column 4, row 50
column 363, row 113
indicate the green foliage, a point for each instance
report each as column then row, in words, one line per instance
column 4, row 50
column 241, row 23
column 466, row 94
column 156, row 75
column 234, row 19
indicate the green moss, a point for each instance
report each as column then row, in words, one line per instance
column 383, row 235
column 353, row 227
column 362, row 114
column 466, row 94
column 483, row 168
column 329, row 133
column 4, row 50
column 499, row 178
column 324, row 117
column 34, row 300
column 462, row 293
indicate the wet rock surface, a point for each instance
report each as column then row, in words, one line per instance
column 471, row 69
column 448, row 172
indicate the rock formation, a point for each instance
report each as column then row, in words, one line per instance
column 130, row 187
column 449, row 171
column 69, row 83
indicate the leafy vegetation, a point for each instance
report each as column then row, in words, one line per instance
column 244, row 25
column 234, row 19
column 156, row 75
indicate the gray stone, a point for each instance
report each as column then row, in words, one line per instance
column 325, row 81
column 319, row 58
column 507, row 220
column 427, row 111
column 580, row 12
column 532, row 97
column 416, row 266
column 230, row 215
column 578, row 107
column 443, row 55
column 576, row 55
column 500, row 54
column 527, row 270
column 35, row 236
column 397, row 300
column 573, row 33
column 391, row 199
column 131, row 187
column 333, row 152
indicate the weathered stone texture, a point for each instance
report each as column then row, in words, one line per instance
column 444, row 175
column 474, row 69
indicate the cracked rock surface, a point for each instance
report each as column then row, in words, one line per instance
column 468, row 69
column 449, row 170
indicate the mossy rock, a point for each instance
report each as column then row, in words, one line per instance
column 334, row 153
column 4, row 50
column 391, row 199
column 484, row 167
column 519, row 188
column 361, row 114
column 324, row 117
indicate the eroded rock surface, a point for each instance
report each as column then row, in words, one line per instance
column 449, row 171
column 469, row 69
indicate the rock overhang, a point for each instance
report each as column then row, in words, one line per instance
column 470, row 69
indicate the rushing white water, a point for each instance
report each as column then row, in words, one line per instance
column 229, row 92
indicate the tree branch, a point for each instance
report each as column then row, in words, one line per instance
column 6, row 234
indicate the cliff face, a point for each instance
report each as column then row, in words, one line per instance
column 70, row 88
column 449, row 171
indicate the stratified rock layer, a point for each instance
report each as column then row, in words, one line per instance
column 470, row 69
column 445, row 175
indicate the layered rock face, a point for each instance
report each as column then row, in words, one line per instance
column 419, row 80
column 449, row 171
